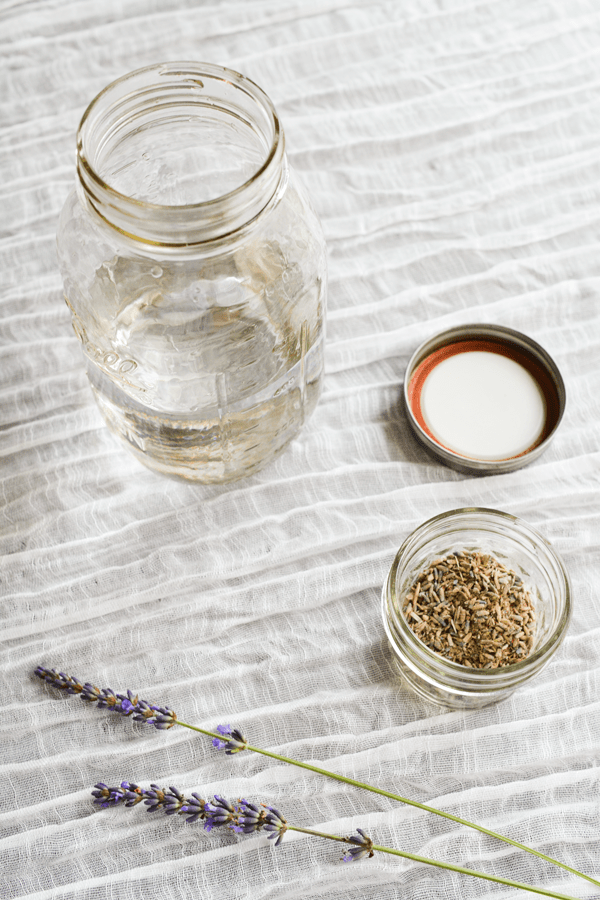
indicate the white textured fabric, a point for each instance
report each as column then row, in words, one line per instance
column 452, row 152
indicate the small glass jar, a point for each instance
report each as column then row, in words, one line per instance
column 521, row 549
column 195, row 271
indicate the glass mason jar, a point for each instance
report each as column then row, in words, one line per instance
column 195, row 271
column 520, row 548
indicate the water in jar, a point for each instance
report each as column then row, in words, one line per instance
column 205, row 377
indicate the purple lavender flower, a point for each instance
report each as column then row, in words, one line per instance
column 195, row 806
column 364, row 846
column 139, row 709
column 132, row 793
column 241, row 816
column 90, row 692
column 155, row 798
column 107, row 699
column 275, row 822
column 59, row 680
column 235, row 741
column 170, row 801
column 128, row 704
column 163, row 717
column 250, row 817
column 174, row 801
column 219, row 812
column 107, row 796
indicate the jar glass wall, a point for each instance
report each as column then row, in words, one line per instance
column 521, row 549
column 195, row 271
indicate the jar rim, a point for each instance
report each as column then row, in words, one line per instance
column 187, row 223
column 482, row 679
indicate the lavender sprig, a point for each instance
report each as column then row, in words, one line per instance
column 232, row 741
column 245, row 817
column 126, row 704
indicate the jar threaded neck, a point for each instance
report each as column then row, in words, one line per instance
column 180, row 154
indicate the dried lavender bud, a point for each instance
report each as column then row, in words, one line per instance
column 59, row 680
column 234, row 742
column 174, row 801
column 128, row 703
column 107, row 699
column 132, row 793
column 364, row 847
column 250, row 817
column 196, row 807
column 90, row 692
column 107, row 796
column 275, row 822
column 471, row 609
column 155, row 798
column 163, row 717
column 141, row 710
column 219, row 812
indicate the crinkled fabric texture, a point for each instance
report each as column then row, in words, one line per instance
column 451, row 150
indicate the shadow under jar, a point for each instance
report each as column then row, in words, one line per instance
column 521, row 549
column 195, row 271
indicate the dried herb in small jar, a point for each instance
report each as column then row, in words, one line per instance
column 472, row 610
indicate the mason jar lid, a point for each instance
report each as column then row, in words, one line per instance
column 483, row 398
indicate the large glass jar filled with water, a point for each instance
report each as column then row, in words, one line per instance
column 195, row 271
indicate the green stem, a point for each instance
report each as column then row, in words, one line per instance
column 438, row 864
column 423, row 806
column 463, row 871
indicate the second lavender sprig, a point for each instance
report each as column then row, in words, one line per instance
column 245, row 817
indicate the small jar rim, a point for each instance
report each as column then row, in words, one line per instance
column 221, row 212
column 479, row 677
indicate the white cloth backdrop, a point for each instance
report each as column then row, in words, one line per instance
column 452, row 152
